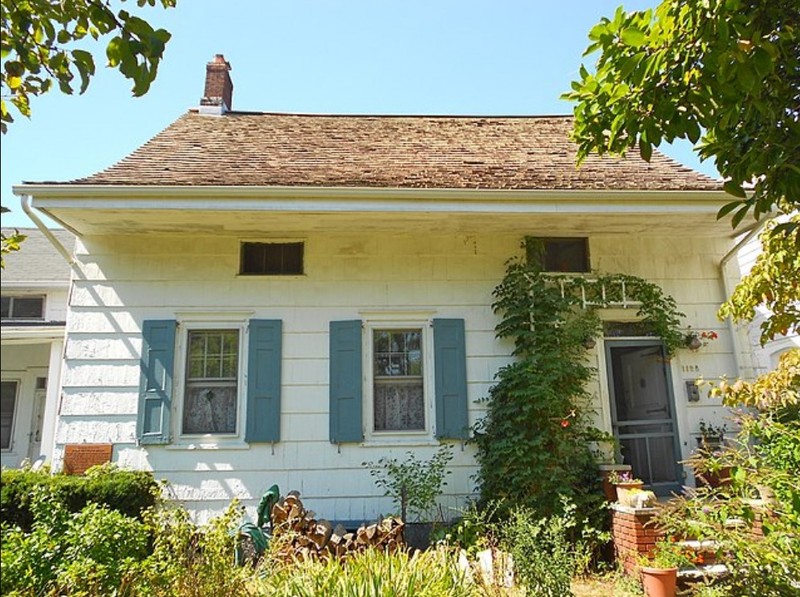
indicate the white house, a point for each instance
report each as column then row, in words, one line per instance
column 268, row 298
column 35, row 282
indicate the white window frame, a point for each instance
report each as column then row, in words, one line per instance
column 197, row 321
column 17, row 386
column 398, row 322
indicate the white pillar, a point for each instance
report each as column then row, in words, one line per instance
column 51, row 404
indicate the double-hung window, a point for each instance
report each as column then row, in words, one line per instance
column 211, row 389
column 399, row 379
column 399, row 398
column 219, row 373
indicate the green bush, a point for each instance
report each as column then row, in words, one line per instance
column 76, row 553
column 128, row 492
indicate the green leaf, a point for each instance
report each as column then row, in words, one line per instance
column 735, row 189
column 645, row 150
column 114, row 51
column 633, row 37
column 727, row 208
column 739, row 215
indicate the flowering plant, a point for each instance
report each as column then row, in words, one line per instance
column 696, row 340
column 618, row 478
column 667, row 553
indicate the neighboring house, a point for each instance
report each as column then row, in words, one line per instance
column 269, row 298
column 765, row 357
column 35, row 283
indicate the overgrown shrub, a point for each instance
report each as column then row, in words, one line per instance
column 413, row 484
column 126, row 491
column 190, row 561
column 764, row 461
column 70, row 553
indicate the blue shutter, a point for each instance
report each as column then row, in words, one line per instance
column 264, row 381
column 450, row 365
column 155, row 385
column 345, row 382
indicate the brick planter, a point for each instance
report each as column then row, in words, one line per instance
column 632, row 534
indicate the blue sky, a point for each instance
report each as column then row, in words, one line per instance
column 356, row 57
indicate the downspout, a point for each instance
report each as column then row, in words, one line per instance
column 26, row 207
column 51, row 410
column 737, row 354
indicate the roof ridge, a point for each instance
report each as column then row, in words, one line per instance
column 363, row 115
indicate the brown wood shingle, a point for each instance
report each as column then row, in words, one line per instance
column 456, row 152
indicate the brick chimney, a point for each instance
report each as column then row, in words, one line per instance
column 218, row 95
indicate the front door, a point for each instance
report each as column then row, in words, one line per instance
column 643, row 413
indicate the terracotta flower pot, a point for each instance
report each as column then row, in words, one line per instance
column 659, row 582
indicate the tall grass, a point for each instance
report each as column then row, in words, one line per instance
column 432, row 573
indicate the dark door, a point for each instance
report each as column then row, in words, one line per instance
column 643, row 413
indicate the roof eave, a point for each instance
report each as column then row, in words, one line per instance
column 161, row 192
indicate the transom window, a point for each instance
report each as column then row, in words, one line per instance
column 8, row 402
column 399, row 394
column 22, row 307
column 212, row 374
column 271, row 259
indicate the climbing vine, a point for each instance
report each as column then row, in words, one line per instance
column 533, row 445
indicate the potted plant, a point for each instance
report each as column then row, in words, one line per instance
column 625, row 484
column 659, row 568
column 694, row 340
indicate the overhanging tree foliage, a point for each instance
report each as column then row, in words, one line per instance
column 725, row 73
column 39, row 47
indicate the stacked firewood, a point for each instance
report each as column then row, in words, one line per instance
column 302, row 536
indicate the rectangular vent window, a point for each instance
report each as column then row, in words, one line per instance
column 271, row 259
column 567, row 255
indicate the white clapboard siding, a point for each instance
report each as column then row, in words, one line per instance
column 129, row 279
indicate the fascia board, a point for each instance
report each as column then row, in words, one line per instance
column 349, row 199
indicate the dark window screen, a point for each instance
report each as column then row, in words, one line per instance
column 562, row 254
column 272, row 259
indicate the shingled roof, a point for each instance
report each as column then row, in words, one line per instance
column 437, row 152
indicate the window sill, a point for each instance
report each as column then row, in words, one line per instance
column 403, row 442
column 209, row 445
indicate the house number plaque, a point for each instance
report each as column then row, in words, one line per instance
column 79, row 457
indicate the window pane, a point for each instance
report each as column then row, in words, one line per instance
column 399, row 407
column 210, row 408
column 415, row 362
column 213, row 344
column 8, row 396
column 214, row 367
column 381, row 341
column 5, row 307
column 196, row 368
column 28, row 308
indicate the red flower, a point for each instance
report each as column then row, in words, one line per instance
column 564, row 423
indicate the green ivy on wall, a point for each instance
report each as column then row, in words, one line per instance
column 534, row 443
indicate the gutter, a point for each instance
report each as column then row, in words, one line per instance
column 26, row 207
